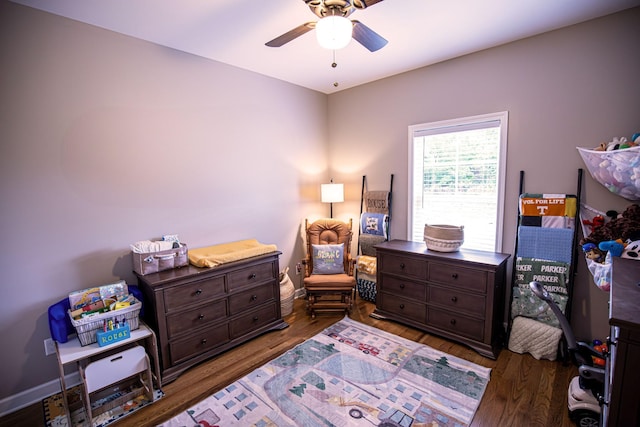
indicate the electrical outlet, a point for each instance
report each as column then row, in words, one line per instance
column 49, row 347
column 298, row 268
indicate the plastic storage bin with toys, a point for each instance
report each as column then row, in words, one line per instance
column 103, row 308
column 100, row 308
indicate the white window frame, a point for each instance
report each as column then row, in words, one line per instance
column 463, row 123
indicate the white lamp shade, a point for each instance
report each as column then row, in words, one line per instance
column 334, row 32
column 332, row 193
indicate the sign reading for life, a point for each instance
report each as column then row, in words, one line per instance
column 548, row 205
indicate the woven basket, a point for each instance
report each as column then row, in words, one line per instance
column 88, row 327
column 443, row 238
column 287, row 293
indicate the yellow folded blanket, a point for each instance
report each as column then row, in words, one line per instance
column 212, row 256
column 367, row 264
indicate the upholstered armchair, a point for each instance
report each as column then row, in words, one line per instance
column 329, row 267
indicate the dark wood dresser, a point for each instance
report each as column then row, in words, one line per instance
column 622, row 372
column 457, row 295
column 198, row 313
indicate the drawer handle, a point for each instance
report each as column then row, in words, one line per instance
column 254, row 297
column 454, row 275
column 402, row 265
column 454, row 299
column 401, row 285
column 402, row 306
column 452, row 321
column 204, row 341
column 201, row 317
column 252, row 276
column 255, row 318
column 198, row 292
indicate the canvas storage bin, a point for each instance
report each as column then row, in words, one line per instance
column 88, row 327
column 152, row 262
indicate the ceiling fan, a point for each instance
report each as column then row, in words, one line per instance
column 327, row 8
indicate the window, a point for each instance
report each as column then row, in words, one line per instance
column 458, row 178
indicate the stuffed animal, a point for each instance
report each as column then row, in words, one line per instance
column 614, row 247
column 619, row 143
column 592, row 252
column 625, row 227
column 616, row 143
column 597, row 221
column 632, row 250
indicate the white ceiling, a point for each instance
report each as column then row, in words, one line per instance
column 420, row 32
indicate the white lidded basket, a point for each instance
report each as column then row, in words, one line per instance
column 618, row 170
column 443, row 238
column 287, row 293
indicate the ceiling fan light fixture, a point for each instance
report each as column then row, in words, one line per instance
column 334, row 32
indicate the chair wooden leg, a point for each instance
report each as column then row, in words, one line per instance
column 311, row 299
column 331, row 301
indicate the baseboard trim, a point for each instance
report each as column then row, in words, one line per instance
column 35, row 395
column 300, row 293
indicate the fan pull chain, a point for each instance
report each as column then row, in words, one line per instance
column 334, row 64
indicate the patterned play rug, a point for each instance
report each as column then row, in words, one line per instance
column 55, row 417
column 349, row 374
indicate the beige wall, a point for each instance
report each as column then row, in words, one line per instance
column 106, row 140
column 576, row 86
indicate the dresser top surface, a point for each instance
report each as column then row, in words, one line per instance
column 467, row 255
column 625, row 293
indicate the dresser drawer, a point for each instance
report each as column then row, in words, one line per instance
column 456, row 323
column 409, row 267
column 250, row 298
column 404, row 288
column 400, row 306
column 198, row 317
column 467, row 278
column 458, row 300
column 199, row 343
column 254, row 320
column 252, row 275
column 193, row 293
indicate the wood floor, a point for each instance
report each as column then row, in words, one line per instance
column 522, row 391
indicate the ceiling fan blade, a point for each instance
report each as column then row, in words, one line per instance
column 290, row 35
column 363, row 4
column 367, row 37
